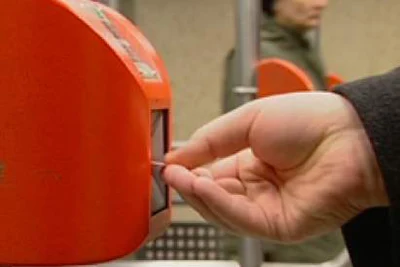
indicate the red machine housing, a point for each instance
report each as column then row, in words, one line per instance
column 78, row 90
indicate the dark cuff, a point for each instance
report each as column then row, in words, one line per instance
column 373, row 237
column 377, row 101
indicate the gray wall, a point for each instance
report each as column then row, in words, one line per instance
column 359, row 38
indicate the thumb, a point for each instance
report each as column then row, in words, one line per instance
column 281, row 130
column 220, row 138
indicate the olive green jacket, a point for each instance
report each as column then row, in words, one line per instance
column 277, row 42
column 280, row 42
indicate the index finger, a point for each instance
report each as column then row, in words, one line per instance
column 222, row 137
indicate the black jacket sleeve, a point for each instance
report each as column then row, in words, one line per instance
column 373, row 238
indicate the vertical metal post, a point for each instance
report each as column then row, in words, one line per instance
column 247, row 43
column 114, row 4
column 127, row 7
column 247, row 54
column 111, row 3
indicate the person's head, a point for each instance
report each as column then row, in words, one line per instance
column 299, row 14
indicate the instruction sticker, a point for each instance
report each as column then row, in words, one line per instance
column 146, row 71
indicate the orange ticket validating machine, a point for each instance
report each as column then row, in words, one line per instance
column 84, row 110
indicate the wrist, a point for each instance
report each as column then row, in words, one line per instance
column 377, row 189
column 371, row 175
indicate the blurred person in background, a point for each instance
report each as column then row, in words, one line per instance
column 285, row 34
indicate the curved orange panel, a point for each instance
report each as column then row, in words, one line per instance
column 74, row 137
column 333, row 80
column 277, row 76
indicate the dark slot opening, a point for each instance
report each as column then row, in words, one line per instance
column 160, row 139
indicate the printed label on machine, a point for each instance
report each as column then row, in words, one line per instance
column 145, row 69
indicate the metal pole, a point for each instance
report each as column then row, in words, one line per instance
column 114, row 4
column 111, row 3
column 247, row 54
column 247, row 44
column 127, row 7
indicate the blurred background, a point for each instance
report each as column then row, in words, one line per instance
column 358, row 38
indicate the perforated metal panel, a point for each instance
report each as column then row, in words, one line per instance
column 186, row 241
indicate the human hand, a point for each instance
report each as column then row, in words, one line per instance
column 289, row 167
